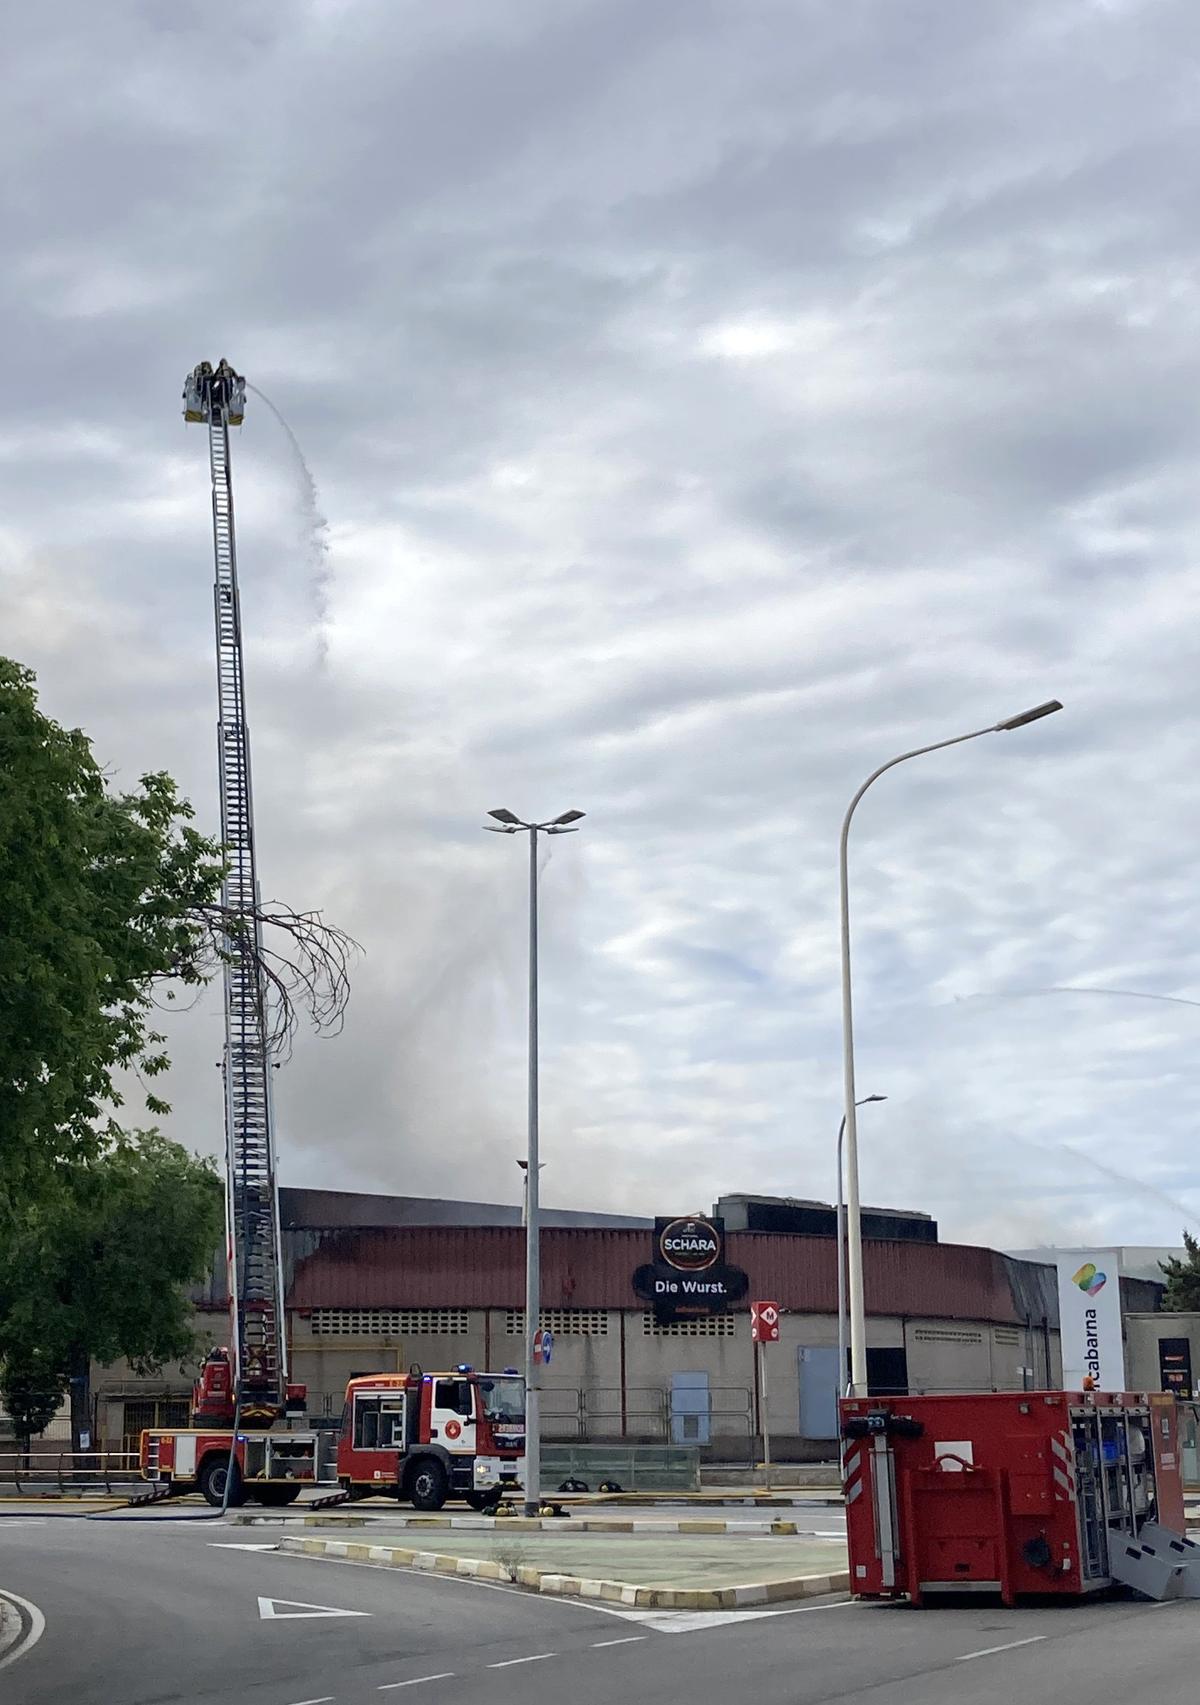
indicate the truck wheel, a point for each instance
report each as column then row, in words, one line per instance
column 275, row 1496
column 212, row 1482
column 427, row 1484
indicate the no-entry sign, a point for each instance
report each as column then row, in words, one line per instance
column 764, row 1322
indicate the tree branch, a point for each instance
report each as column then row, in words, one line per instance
column 303, row 963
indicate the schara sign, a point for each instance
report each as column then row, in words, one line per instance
column 688, row 1277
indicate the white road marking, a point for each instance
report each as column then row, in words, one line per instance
column 990, row 1651
column 21, row 1521
column 627, row 1640
column 37, row 1627
column 295, row 1610
column 442, row 1675
column 325, row 1699
column 534, row 1658
column 696, row 1621
column 225, row 1545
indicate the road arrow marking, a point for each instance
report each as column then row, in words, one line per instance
column 292, row 1610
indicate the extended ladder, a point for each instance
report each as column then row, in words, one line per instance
column 252, row 1198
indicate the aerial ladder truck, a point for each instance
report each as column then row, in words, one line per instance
column 422, row 1437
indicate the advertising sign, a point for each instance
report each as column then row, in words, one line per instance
column 1175, row 1366
column 687, row 1276
column 1089, row 1313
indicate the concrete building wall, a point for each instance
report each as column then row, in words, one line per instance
column 1143, row 1333
column 612, row 1371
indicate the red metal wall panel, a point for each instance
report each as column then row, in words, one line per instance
column 483, row 1267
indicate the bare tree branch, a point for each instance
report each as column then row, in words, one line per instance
column 303, row 963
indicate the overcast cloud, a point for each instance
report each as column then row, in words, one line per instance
column 707, row 399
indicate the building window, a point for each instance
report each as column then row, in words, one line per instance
column 563, row 1322
column 713, row 1326
column 390, row 1322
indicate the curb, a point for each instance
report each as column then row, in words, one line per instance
column 535, row 1524
column 576, row 1586
column 57, row 1500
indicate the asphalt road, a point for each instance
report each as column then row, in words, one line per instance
column 143, row 1613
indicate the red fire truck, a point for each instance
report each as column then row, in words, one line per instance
column 420, row 1437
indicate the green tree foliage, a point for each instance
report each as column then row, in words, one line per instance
column 102, row 894
column 96, row 1267
column 1182, row 1295
column 31, row 1389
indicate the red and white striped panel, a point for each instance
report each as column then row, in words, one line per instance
column 1063, row 1468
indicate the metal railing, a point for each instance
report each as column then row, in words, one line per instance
column 67, row 1471
column 564, row 1414
column 639, row 1411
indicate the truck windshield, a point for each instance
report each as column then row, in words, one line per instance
column 503, row 1399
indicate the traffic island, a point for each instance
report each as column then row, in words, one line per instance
column 745, row 1529
column 674, row 1572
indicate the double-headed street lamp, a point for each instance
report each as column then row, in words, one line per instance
column 508, row 823
column 858, row 1333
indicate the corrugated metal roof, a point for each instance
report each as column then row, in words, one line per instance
column 325, row 1209
column 483, row 1267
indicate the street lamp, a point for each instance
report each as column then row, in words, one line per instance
column 507, row 823
column 841, row 1249
column 858, row 1333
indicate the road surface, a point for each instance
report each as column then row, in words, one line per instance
column 194, row 1612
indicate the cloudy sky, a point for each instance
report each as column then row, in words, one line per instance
column 707, row 399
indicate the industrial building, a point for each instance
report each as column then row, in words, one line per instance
column 379, row 1282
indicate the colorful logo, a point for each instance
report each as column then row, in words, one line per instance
column 1089, row 1279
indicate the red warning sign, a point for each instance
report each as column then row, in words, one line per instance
column 764, row 1322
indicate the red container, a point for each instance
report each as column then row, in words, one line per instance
column 1009, row 1493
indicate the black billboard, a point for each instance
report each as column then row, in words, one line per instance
column 1175, row 1365
column 687, row 1277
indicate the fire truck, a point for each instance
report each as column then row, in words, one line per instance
column 419, row 1437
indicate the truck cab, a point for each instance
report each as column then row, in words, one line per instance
column 427, row 1437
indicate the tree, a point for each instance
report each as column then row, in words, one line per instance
column 98, row 892
column 31, row 1391
column 97, row 1267
column 1182, row 1295
column 106, row 899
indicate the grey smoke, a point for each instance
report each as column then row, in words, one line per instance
column 315, row 531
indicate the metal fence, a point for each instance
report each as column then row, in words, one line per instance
column 645, row 1412
column 66, row 1471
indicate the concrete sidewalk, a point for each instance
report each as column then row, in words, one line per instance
column 669, row 1572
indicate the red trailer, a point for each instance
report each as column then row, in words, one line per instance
column 1015, row 1493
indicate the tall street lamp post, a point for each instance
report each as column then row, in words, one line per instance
column 507, row 823
column 841, row 1249
column 858, row 1335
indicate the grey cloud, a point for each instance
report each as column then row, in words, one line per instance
column 706, row 402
